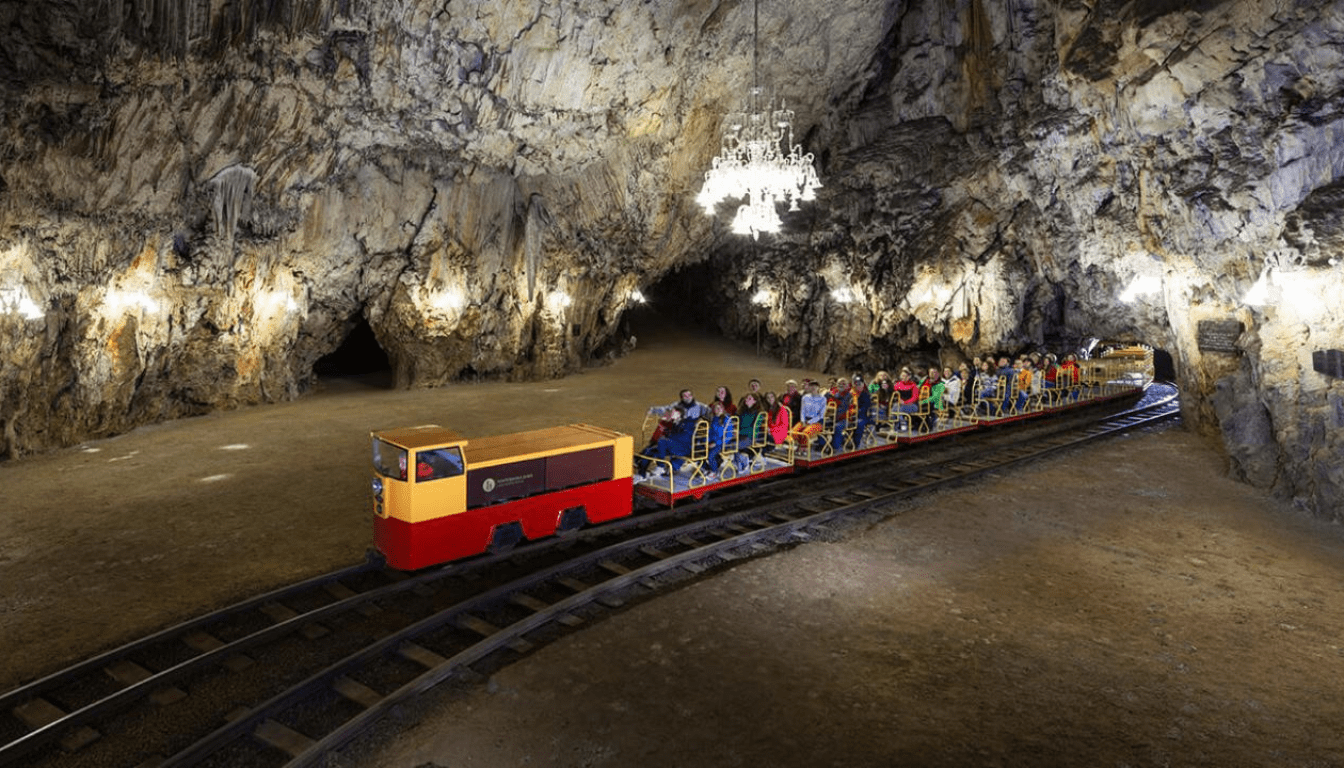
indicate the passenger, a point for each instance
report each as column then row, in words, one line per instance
column 778, row 419
column 883, row 396
column 951, row 388
column 675, row 444
column 721, row 437
column 749, row 411
column 863, row 408
column 1050, row 376
column 1025, row 377
column 930, row 395
column 723, row 395
column 1069, row 372
column 967, row 375
column 793, row 400
column 987, row 383
column 690, row 408
column 754, row 387
column 846, row 412
column 812, row 413
column 907, row 394
column 878, row 378
column 1007, row 374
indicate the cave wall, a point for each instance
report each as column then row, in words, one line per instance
column 196, row 198
column 1009, row 169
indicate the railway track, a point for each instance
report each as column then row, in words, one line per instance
column 288, row 677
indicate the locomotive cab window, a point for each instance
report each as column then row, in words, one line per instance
column 437, row 464
column 389, row 460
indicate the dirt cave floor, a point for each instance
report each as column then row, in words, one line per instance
column 1121, row 605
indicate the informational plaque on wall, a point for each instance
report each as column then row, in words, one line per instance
column 1219, row 335
column 1329, row 362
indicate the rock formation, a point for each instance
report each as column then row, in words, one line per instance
column 199, row 200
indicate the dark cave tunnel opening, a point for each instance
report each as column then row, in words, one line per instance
column 359, row 356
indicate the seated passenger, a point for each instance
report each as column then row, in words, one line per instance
column 751, row 416
column 863, row 408
column 951, row 389
column 722, row 395
column 846, row 412
column 812, row 413
column 1007, row 374
column 675, row 443
column 883, row 396
column 930, row 400
column 690, row 408
column 721, row 436
column 778, row 418
column 1069, row 374
column 987, row 383
column 1025, row 377
column 907, row 395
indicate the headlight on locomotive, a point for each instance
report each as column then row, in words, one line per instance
column 378, row 495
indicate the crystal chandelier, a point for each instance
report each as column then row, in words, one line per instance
column 753, row 164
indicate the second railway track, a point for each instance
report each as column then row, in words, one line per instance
column 287, row 677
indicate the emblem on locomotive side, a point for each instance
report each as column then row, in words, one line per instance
column 488, row 485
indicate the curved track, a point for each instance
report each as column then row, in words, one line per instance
column 287, row 677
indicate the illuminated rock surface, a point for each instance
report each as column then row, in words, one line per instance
column 202, row 199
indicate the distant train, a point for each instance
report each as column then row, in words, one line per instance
column 439, row 497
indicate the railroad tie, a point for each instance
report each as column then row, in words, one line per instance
column 420, row 655
column 486, row 629
column 611, row 601
column 283, row 738
column 278, row 613
column 356, row 691
column 129, row 673
column 537, row 606
column 341, row 592
column 39, row 713
column 204, row 642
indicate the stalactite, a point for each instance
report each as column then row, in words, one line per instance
column 231, row 195
column 171, row 26
column 538, row 221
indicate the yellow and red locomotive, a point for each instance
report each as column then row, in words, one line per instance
column 438, row 496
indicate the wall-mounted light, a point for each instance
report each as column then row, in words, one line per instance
column 17, row 301
column 1141, row 285
column 1258, row 296
column 842, row 295
column 558, row 300
column 447, row 299
column 119, row 301
column 762, row 298
column 637, row 297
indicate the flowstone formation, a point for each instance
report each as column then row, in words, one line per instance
column 198, row 201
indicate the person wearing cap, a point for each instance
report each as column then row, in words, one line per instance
column 863, row 408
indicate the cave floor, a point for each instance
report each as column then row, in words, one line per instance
column 1121, row 605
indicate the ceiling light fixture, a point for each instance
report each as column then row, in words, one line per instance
column 753, row 164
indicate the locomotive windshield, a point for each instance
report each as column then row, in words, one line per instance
column 389, row 460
